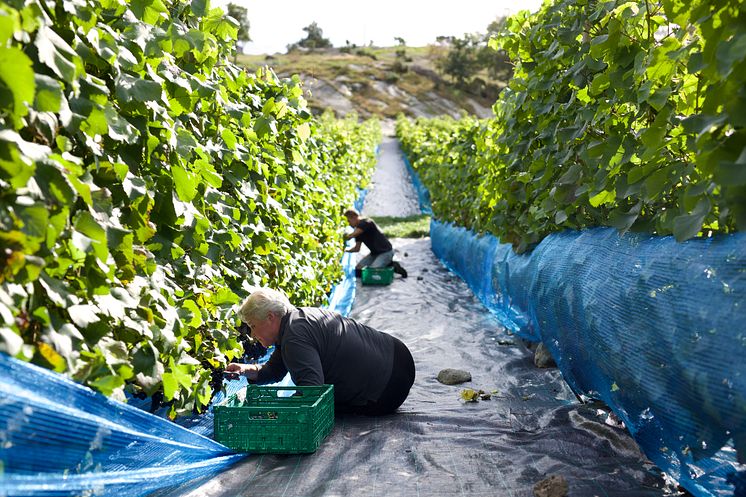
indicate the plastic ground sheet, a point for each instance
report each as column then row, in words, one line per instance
column 438, row 445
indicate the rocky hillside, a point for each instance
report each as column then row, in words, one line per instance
column 381, row 82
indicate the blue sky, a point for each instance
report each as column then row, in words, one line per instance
column 275, row 24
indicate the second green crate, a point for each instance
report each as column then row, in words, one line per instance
column 278, row 420
column 377, row 275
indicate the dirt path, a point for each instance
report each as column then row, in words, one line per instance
column 391, row 192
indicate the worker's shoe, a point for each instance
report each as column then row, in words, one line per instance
column 398, row 269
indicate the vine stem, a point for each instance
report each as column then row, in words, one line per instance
column 647, row 21
column 45, row 8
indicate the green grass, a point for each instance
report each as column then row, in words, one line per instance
column 417, row 226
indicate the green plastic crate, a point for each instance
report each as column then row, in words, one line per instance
column 377, row 275
column 262, row 421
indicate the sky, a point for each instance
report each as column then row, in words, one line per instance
column 277, row 23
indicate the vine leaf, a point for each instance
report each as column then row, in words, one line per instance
column 688, row 225
column 18, row 78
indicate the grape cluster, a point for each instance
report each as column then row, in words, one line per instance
column 157, row 401
column 216, row 380
column 252, row 349
column 216, row 384
column 217, row 377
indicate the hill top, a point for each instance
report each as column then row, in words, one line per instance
column 382, row 82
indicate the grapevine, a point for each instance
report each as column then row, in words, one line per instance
column 623, row 114
column 147, row 183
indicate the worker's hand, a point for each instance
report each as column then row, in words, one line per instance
column 250, row 371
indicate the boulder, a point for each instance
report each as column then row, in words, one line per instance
column 453, row 376
column 542, row 357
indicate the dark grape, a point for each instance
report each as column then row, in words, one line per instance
column 252, row 349
column 156, row 401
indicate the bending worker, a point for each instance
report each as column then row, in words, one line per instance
column 371, row 371
column 381, row 252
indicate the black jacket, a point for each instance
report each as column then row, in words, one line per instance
column 319, row 347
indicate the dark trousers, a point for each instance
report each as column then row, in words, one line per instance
column 397, row 389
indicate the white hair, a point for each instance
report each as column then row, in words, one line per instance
column 261, row 302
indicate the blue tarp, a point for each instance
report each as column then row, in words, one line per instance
column 58, row 438
column 654, row 328
column 343, row 294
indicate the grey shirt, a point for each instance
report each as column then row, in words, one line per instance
column 319, row 347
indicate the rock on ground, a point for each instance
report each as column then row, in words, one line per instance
column 554, row 486
column 542, row 357
column 453, row 376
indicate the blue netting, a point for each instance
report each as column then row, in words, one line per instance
column 343, row 294
column 58, row 438
column 361, row 194
column 654, row 328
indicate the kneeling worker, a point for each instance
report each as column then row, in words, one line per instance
column 381, row 252
column 371, row 371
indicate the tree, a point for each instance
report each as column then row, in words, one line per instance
column 496, row 27
column 241, row 15
column 314, row 39
column 400, row 64
column 461, row 62
column 470, row 54
column 495, row 61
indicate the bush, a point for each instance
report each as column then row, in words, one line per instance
column 625, row 114
column 148, row 183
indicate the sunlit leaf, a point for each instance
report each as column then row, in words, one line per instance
column 56, row 361
column 48, row 94
column 84, row 315
column 107, row 384
column 56, row 53
column 132, row 88
column 184, row 183
column 304, row 131
column 194, row 310
column 170, row 385
column 88, row 226
column 223, row 27
column 229, row 138
column 604, row 197
column 17, row 76
column 119, row 128
column 10, row 342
